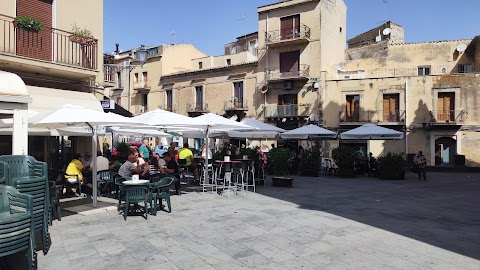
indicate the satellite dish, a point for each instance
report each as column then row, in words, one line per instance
column 461, row 48
column 387, row 31
column 264, row 89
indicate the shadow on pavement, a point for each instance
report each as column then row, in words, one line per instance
column 442, row 212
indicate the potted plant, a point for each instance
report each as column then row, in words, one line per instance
column 310, row 163
column 344, row 158
column 281, row 168
column 27, row 23
column 392, row 167
column 81, row 36
column 233, row 100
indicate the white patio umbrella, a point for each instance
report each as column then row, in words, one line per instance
column 263, row 131
column 165, row 119
column 74, row 116
column 143, row 132
column 219, row 124
column 309, row 132
column 371, row 132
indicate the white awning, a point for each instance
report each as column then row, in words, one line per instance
column 51, row 98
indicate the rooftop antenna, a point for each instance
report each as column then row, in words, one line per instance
column 243, row 18
column 385, row 3
column 173, row 35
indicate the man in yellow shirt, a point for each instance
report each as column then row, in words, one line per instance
column 186, row 154
column 74, row 168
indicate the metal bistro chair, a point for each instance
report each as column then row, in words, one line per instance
column 158, row 191
column 134, row 195
column 17, row 231
column 212, row 184
column 250, row 172
column 184, row 171
column 238, row 173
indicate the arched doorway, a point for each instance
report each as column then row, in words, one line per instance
column 445, row 151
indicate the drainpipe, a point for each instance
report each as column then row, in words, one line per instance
column 266, row 68
column 406, row 123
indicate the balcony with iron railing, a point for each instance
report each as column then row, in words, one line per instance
column 48, row 45
column 289, row 110
column 288, row 36
column 447, row 117
column 392, row 117
column 279, row 74
column 196, row 109
column 141, row 85
column 235, row 106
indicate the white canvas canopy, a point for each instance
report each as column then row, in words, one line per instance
column 142, row 132
column 263, row 131
column 309, row 132
column 371, row 132
column 166, row 119
column 75, row 116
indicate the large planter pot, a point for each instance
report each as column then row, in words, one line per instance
column 309, row 172
column 81, row 40
column 346, row 174
column 282, row 181
column 392, row 175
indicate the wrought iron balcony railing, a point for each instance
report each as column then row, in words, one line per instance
column 48, row 44
column 278, row 73
column 286, row 110
column 447, row 116
column 282, row 35
column 363, row 116
column 194, row 107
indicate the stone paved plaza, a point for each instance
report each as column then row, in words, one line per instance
column 320, row 223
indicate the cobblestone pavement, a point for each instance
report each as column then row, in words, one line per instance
column 320, row 223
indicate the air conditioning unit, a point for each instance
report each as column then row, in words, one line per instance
column 287, row 85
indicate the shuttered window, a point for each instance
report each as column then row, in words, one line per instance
column 390, row 108
column 446, row 106
column 352, row 108
column 290, row 62
column 289, row 27
column 35, row 44
column 198, row 98
column 238, row 88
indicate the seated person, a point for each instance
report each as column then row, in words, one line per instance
column 102, row 162
column 115, row 164
column 206, row 154
column 151, row 169
column 186, row 153
column 130, row 167
column 87, row 160
column 172, row 169
column 75, row 168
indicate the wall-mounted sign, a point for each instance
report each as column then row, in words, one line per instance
column 108, row 104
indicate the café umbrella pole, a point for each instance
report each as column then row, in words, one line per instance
column 94, row 164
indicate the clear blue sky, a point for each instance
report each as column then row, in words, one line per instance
column 210, row 24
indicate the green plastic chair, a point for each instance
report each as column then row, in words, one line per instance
column 30, row 176
column 134, row 195
column 160, row 190
column 3, row 173
column 17, row 231
column 55, row 191
column 120, row 190
column 104, row 177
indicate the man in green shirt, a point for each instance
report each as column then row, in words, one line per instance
column 186, row 154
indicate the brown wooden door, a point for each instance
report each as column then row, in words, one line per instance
column 289, row 27
column 446, row 107
column 390, row 108
column 289, row 62
column 352, row 108
column 35, row 44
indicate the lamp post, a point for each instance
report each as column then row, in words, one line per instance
column 139, row 54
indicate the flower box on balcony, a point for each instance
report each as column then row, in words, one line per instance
column 27, row 23
column 81, row 40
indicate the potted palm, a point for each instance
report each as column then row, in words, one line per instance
column 311, row 162
column 344, row 157
column 392, row 167
column 281, row 168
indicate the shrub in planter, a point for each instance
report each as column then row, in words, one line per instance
column 311, row 162
column 392, row 167
column 81, row 36
column 123, row 149
column 344, row 157
column 28, row 23
column 281, row 168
